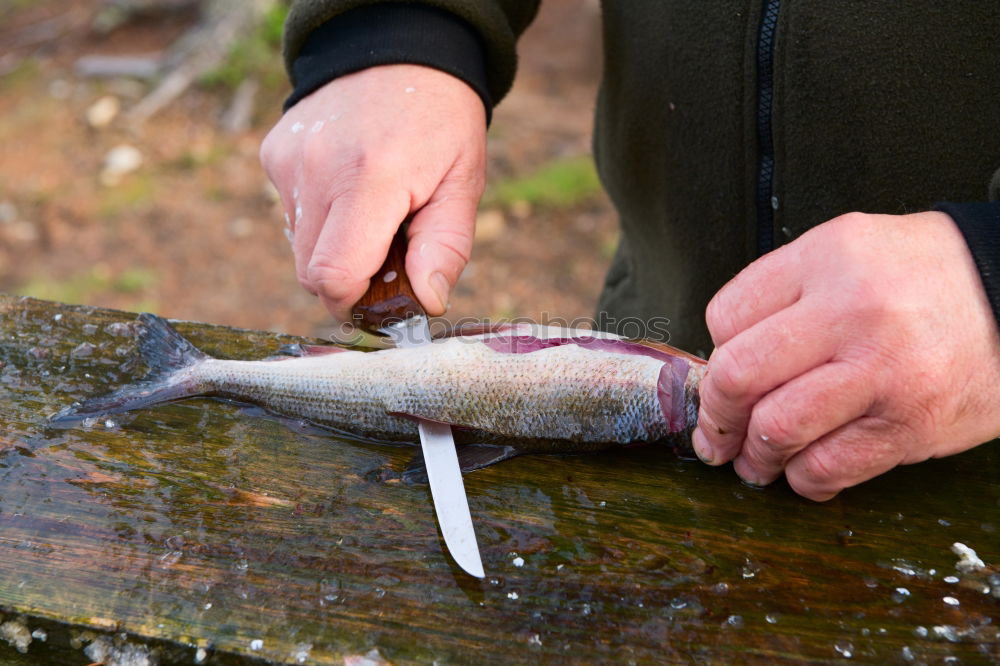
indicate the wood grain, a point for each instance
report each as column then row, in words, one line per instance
column 203, row 524
column 390, row 297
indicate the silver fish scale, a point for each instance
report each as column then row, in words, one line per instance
column 564, row 392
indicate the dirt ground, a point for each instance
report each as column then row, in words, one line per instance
column 194, row 232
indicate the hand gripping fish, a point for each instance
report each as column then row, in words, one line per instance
column 510, row 390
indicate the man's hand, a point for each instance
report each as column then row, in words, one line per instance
column 357, row 156
column 865, row 344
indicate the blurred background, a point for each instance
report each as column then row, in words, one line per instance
column 129, row 177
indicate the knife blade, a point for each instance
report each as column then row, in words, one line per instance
column 390, row 307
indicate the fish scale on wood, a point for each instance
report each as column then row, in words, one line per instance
column 571, row 392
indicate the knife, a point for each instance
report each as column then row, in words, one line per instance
column 390, row 307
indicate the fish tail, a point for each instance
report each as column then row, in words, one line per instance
column 168, row 355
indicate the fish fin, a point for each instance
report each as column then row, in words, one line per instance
column 299, row 350
column 477, row 456
column 470, row 458
column 164, row 349
column 167, row 353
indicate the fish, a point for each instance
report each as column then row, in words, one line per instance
column 505, row 390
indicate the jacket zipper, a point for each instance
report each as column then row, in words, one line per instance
column 766, row 200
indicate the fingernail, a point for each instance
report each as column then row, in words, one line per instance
column 701, row 447
column 441, row 287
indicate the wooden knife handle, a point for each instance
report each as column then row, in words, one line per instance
column 390, row 297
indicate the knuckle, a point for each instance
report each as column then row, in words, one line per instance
column 719, row 317
column 303, row 278
column 846, row 222
column 305, row 283
column 759, row 457
column 324, row 270
column 731, row 375
column 819, row 472
column 783, row 433
column 266, row 152
column 272, row 156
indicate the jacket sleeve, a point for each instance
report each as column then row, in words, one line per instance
column 472, row 39
column 980, row 224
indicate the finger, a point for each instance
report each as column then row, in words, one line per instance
column 768, row 285
column 799, row 412
column 754, row 363
column 349, row 244
column 441, row 236
column 858, row 451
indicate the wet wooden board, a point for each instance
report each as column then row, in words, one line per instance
column 200, row 524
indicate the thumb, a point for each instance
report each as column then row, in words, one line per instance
column 440, row 243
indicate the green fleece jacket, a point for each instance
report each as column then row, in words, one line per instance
column 726, row 128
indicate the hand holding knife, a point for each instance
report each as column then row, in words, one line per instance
column 390, row 307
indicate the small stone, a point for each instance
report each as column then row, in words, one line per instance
column 60, row 89
column 120, row 161
column 119, row 329
column 100, row 114
column 21, row 231
column 83, row 350
column 8, row 212
column 520, row 208
column 241, row 227
column 490, row 225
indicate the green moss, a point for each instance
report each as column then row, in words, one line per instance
column 85, row 286
column 10, row 5
column 24, row 71
column 193, row 159
column 609, row 245
column 134, row 279
column 559, row 184
column 136, row 190
column 217, row 193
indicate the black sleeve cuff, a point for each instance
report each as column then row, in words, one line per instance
column 390, row 33
column 980, row 224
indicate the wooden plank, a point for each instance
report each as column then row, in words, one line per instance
column 200, row 524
